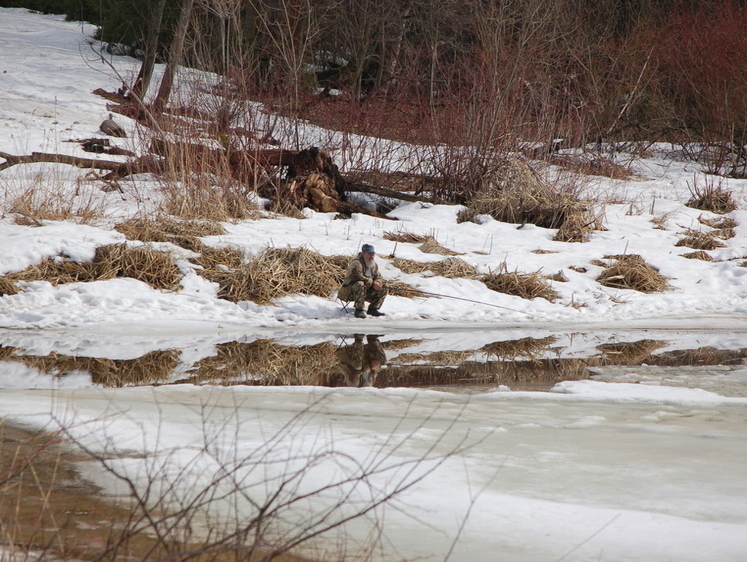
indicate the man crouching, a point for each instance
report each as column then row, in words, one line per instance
column 363, row 282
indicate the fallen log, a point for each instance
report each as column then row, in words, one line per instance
column 363, row 187
column 116, row 169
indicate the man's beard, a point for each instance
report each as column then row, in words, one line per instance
column 369, row 261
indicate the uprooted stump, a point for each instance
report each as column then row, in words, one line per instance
column 630, row 271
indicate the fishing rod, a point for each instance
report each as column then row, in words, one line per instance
column 395, row 289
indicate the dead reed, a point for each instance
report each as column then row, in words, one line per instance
column 184, row 233
column 630, row 271
column 449, row 267
column 593, row 165
column 150, row 266
column 524, row 285
column 277, row 272
column 699, row 241
column 711, row 197
column 428, row 243
column 699, row 255
column 7, row 287
column 718, row 223
column 514, row 192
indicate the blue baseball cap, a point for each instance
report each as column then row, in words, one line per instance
column 368, row 249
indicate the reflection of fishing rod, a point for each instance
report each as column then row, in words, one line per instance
column 395, row 289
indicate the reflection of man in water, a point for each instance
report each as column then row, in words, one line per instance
column 361, row 362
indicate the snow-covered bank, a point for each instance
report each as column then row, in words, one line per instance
column 41, row 118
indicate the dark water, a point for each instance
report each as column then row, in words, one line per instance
column 403, row 360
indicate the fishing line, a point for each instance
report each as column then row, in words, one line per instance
column 471, row 300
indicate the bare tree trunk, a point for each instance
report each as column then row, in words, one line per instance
column 140, row 87
column 175, row 57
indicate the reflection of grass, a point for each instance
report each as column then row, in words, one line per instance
column 268, row 363
column 151, row 368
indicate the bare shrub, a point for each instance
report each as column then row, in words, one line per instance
column 699, row 241
column 630, row 271
column 265, row 501
column 699, row 255
column 449, row 267
column 524, row 285
column 711, row 197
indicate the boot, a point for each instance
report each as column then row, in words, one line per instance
column 375, row 311
column 359, row 313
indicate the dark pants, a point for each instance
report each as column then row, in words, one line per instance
column 357, row 292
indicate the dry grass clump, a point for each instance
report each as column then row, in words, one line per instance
column 431, row 246
column 46, row 202
column 516, row 193
column 711, row 197
column 449, row 267
column 594, row 165
column 720, row 223
column 401, row 289
column 406, row 237
column 143, row 263
column 181, row 233
column 428, row 244
column 630, row 271
column 277, row 272
column 114, row 260
column 699, row 241
column 524, row 285
column 7, row 287
column 699, row 255
column 221, row 259
column 558, row 276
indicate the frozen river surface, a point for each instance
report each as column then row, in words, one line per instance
column 632, row 462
